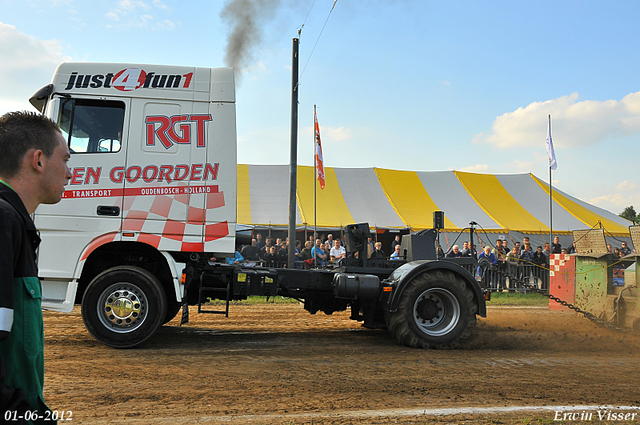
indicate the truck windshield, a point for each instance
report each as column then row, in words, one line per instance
column 92, row 126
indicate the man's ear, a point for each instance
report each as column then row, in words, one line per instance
column 36, row 159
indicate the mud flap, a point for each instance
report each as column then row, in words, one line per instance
column 185, row 309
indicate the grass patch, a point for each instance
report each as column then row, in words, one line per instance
column 517, row 298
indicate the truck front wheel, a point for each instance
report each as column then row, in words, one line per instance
column 124, row 306
column 436, row 310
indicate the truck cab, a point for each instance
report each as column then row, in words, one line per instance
column 153, row 159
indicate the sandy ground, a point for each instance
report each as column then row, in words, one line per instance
column 277, row 364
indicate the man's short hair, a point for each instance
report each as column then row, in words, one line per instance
column 21, row 131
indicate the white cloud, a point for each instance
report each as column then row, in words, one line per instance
column 625, row 194
column 26, row 64
column 573, row 122
column 628, row 186
column 337, row 134
column 165, row 25
column 143, row 20
column 115, row 14
column 140, row 14
column 519, row 166
column 131, row 6
column 256, row 70
column 160, row 5
column 333, row 134
column 59, row 2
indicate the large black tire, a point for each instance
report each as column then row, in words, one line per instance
column 124, row 306
column 172, row 309
column 437, row 310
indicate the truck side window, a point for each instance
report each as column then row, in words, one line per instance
column 92, row 126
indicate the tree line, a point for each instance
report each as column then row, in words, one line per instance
column 630, row 214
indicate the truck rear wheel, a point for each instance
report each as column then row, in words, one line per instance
column 124, row 306
column 436, row 311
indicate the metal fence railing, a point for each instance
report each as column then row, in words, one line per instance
column 527, row 273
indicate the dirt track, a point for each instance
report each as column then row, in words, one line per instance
column 277, row 364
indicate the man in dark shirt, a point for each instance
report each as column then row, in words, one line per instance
column 396, row 241
column 625, row 249
column 556, row 248
column 454, row 253
column 33, row 171
column 251, row 252
column 378, row 252
column 259, row 240
column 465, row 252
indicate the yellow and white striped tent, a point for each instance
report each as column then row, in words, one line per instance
column 387, row 199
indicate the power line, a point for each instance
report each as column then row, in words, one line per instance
column 308, row 13
column 318, row 39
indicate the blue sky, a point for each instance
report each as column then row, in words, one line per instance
column 411, row 85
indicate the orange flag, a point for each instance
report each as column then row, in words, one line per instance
column 319, row 165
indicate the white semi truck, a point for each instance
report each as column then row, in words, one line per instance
column 153, row 198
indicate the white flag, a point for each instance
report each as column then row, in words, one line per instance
column 552, row 153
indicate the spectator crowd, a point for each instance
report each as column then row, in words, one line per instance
column 273, row 252
column 519, row 260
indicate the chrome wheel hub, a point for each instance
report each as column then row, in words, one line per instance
column 122, row 307
column 436, row 311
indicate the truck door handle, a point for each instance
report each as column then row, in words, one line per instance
column 108, row 210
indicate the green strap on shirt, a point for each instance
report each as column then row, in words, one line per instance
column 7, row 184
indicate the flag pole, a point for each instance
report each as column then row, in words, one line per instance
column 550, row 193
column 315, row 183
column 550, row 209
